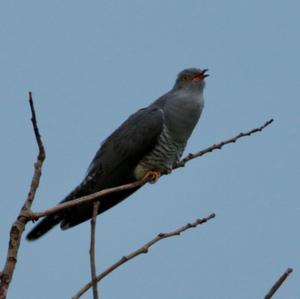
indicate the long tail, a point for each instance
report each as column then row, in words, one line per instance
column 77, row 214
column 43, row 227
column 47, row 223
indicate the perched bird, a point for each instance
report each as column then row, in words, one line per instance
column 149, row 142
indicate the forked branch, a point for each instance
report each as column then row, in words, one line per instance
column 19, row 225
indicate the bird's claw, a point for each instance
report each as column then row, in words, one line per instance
column 152, row 176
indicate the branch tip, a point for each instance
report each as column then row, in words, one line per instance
column 278, row 283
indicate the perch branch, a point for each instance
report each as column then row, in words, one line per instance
column 142, row 250
column 278, row 283
column 213, row 147
column 19, row 225
column 95, row 196
column 85, row 199
column 92, row 250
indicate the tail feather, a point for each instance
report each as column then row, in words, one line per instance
column 43, row 227
column 83, row 212
column 47, row 223
column 77, row 214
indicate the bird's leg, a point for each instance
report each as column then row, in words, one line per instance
column 152, row 176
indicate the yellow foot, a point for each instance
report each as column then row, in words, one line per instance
column 152, row 176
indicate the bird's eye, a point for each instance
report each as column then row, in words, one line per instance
column 185, row 77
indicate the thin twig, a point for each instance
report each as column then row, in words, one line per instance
column 278, row 283
column 42, row 153
column 141, row 250
column 96, row 196
column 92, row 250
column 213, row 147
column 19, row 225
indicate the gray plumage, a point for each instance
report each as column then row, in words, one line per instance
column 152, row 139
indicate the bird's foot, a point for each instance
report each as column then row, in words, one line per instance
column 152, row 176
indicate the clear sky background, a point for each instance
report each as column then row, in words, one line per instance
column 90, row 64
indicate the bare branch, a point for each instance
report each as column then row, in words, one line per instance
column 278, row 283
column 221, row 144
column 92, row 250
column 96, row 196
column 85, row 199
column 141, row 250
column 26, row 214
column 19, row 225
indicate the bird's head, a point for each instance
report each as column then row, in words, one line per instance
column 192, row 78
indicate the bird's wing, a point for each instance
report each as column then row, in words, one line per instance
column 114, row 163
column 122, row 151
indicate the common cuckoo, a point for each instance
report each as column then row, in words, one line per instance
column 148, row 143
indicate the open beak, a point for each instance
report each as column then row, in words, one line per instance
column 201, row 76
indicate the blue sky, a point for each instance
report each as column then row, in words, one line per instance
column 90, row 65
